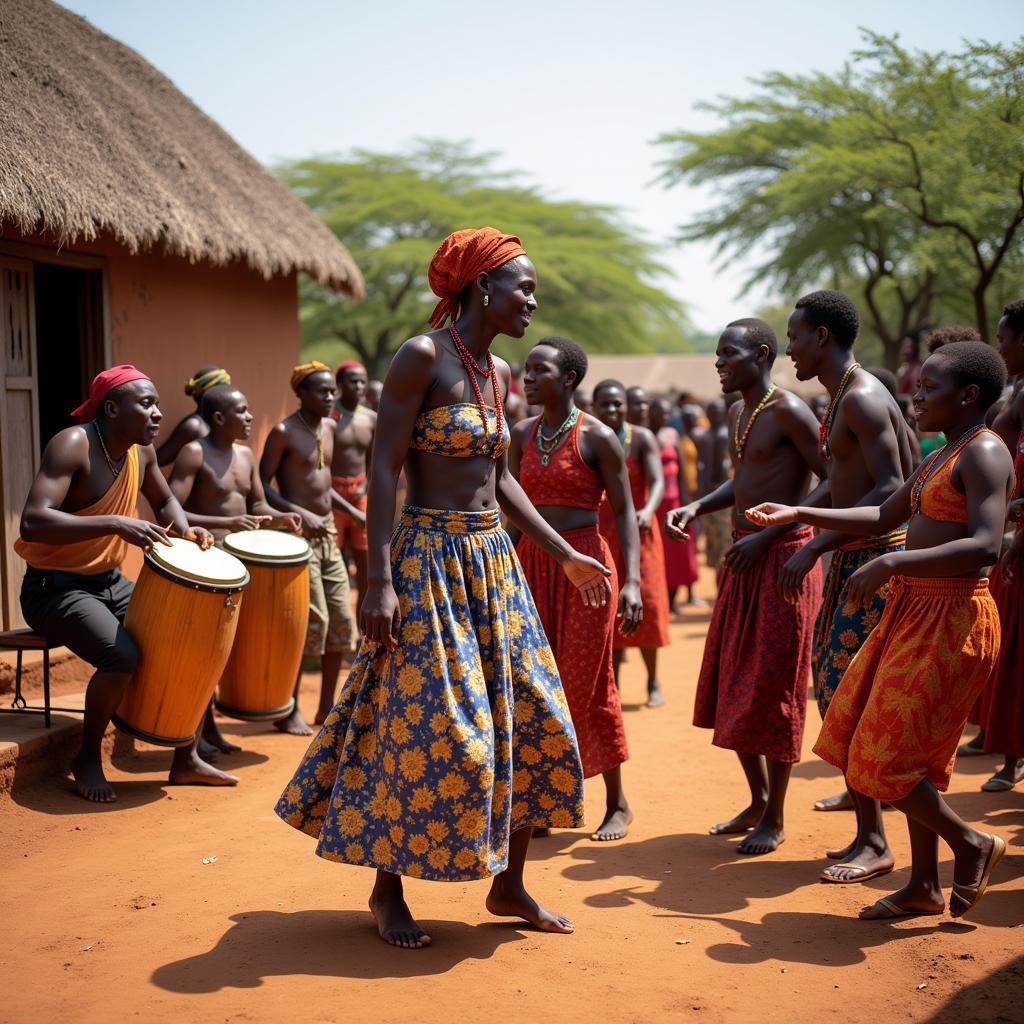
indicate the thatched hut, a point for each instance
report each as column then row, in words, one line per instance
column 132, row 229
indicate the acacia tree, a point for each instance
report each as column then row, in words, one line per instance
column 598, row 277
column 903, row 172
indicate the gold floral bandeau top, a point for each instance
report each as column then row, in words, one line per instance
column 457, row 431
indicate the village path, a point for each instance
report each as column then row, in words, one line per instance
column 110, row 914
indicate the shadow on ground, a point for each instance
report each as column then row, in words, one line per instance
column 326, row 943
column 1001, row 988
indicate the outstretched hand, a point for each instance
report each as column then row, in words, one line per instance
column 589, row 577
column 768, row 513
column 678, row 519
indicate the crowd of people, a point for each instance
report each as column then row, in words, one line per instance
column 511, row 536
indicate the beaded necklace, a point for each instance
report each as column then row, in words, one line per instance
column 625, row 435
column 740, row 441
column 547, row 445
column 950, row 451
column 318, row 436
column 825, row 429
column 110, row 462
column 473, row 368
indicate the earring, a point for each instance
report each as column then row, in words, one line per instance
column 487, row 300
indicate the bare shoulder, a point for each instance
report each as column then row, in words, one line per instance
column 368, row 416
column 988, row 452
column 417, row 353
column 868, row 402
column 645, row 437
column 68, row 449
column 244, row 454
column 599, row 436
column 147, row 458
column 791, row 408
column 521, row 431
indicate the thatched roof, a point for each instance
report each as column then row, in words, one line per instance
column 95, row 140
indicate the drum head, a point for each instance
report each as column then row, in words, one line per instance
column 267, row 547
column 187, row 560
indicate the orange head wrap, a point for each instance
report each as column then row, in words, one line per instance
column 300, row 373
column 460, row 258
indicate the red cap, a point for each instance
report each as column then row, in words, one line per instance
column 102, row 384
column 349, row 364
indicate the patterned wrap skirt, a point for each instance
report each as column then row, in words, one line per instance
column 898, row 715
column 438, row 750
column 753, row 681
column 581, row 639
column 843, row 626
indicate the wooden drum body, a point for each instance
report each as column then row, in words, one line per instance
column 183, row 615
column 259, row 679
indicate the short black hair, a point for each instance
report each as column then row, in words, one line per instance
column 951, row 335
column 217, row 399
column 604, row 385
column 887, row 377
column 834, row 311
column 758, row 333
column 571, row 356
column 974, row 362
column 1014, row 314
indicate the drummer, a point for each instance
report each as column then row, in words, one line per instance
column 76, row 526
column 216, row 482
column 296, row 472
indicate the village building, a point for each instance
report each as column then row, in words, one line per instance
column 133, row 229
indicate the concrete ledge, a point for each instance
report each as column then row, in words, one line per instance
column 29, row 751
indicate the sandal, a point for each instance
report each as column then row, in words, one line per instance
column 866, row 874
column 893, row 909
column 967, row 897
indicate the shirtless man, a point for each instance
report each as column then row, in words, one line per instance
column 78, row 521
column 753, row 682
column 353, row 440
column 297, row 458
column 216, row 482
column 638, row 407
column 193, row 426
column 865, row 445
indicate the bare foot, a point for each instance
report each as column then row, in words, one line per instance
column 294, row 724
column 655, row 698
column 862, row 863
column 395, row 923
column 194, row 771
column 212, row 740
column 207, row 751
column 766, row 838
column 840, row 802
column 91, row 782
column 615, row 825
column 743, row 822
column 510, row 900
column 906, row 902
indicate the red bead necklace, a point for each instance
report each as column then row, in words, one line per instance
column 473, row 368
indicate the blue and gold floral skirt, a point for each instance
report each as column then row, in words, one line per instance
column 438, row 750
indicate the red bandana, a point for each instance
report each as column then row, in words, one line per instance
column 102, row 384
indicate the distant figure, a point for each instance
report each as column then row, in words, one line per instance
column 193, row 426
column 717, row 526
column 583, row 400
column 372, row 396
column 353, row 440
column 910, row 365
column 951, row 335
column 638, row 407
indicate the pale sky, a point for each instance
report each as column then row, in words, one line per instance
column 572, row 92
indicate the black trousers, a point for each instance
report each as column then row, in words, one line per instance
column 84, row 614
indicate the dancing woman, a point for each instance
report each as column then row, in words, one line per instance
column 412, row 772
column 566, row 461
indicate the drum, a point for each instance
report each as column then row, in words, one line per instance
column 182, row 614
column 259, row 679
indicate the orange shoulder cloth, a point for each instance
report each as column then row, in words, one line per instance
column 99, row 554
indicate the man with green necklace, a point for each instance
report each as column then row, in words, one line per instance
column 865, row 444
column 753, row 681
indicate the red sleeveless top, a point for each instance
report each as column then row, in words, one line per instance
column 566, row 480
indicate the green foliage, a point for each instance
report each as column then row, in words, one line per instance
column 597, row 275
column 901, row 176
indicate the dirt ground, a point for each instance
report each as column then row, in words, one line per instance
column 111, row 913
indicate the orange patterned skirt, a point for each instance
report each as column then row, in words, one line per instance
column 901, row 707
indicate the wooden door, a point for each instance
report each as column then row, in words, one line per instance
column 19, row 420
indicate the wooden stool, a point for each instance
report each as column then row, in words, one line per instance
column 21, row 640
